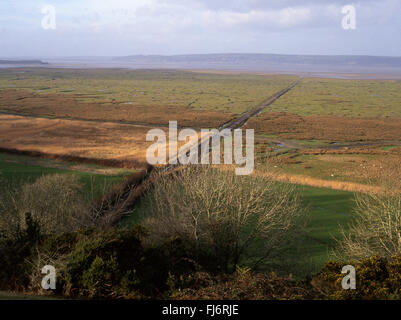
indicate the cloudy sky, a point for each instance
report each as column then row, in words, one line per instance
column 125, row 27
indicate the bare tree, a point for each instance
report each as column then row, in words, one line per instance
column 376, row 229
column 55, row 201
column 225, row 217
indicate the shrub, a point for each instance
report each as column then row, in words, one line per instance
column 14, row 253
column 56, row 202
column 224, row 219
column 248, row 286
column 104, row 263
column 376, row 229
column 97, row 262
column 376, row 278
column 113, row 264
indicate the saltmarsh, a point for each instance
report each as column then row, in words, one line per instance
column 234, row 93
column 346, row 98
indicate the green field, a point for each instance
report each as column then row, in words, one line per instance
column 348, row 98
column 234, row 93
column 327, row 211
column 16, row 169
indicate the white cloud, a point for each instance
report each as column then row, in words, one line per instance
column 180, row 26
column 288, row 17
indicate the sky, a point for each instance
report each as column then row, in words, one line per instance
column 167, row 27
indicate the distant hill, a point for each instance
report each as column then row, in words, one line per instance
column 267, row 62
column 22, row 62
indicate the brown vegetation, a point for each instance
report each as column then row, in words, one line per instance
column 67, row 106
column 291, row 126
column 75, row 140
column 320, row 183
column 354, row 150
column 128, row 164
column 246, row 285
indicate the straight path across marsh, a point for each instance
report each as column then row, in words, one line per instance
column 133, row 193
column 236, row 123
column 240, row 121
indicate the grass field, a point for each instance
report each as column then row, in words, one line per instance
column 335, row 110
column 327, row 211
column 328, row 208
column 344, row 98
column 138, row 96
column 15, row 169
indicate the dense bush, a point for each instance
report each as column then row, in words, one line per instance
column 376, row 278
column 113, row 264
column 93, row 263
column 14, row 269
column 96, row 265
column 246, row 285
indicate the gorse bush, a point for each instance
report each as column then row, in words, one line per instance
column 248, row 286
column 376, row 278
column 224, row 219
column 98, row 262
column 108, row 264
